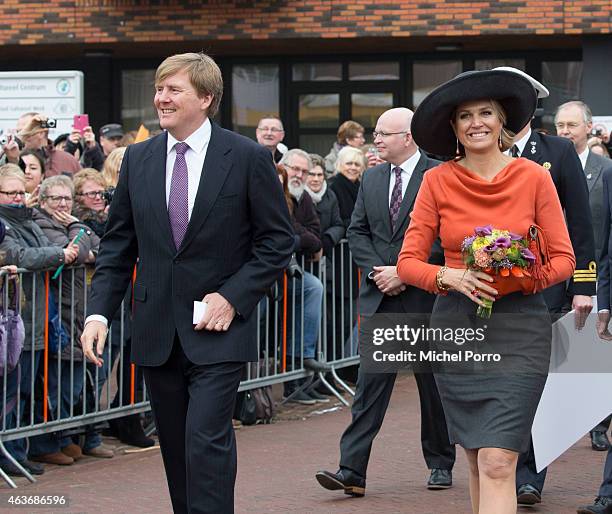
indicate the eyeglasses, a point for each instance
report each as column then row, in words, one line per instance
column 296, row 169
column 274, row 130
column 14, row 194
column 58, row 199
column 387, row 134
column 92, row 194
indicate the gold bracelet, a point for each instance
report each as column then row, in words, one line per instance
column 439, row 276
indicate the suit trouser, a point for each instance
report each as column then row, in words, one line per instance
column 368, row 411
column 606, row 485
column 369, row 408
column 193, row 406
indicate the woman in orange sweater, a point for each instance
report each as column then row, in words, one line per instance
column 474, row 116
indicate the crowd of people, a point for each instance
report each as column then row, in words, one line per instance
column 54, row 203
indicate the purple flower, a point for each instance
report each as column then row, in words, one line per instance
column 487, row 230
column 515, row 237
column 503, row 242
column 491, row 248
column 467, row 242
column 527, row 255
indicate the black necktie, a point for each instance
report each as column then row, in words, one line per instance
column 514, row 151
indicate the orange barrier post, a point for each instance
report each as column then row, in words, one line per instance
column 357, row 302
column 132, row 366
column 46, row 356
column 284, row 357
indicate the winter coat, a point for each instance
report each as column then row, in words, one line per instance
column 26, row 246
column 73, row 282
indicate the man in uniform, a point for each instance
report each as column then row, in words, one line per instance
column 559, row 157
column 375, row 239
column 574, row 121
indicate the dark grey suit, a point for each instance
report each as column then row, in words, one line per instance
column 604, row 296
column 594, row 171
column 373, row 243
column 596, row 167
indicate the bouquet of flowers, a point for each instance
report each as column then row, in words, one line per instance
column 497, row 252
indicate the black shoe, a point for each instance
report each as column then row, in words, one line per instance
column 319, row 398
column 112, row 430
column 300, row 397
column 10, row 469
column 602, row 505
column 33, row 467
column 316, row 366
column 528, row 495
column 342, row 479
column 130, row 432
column 599, row 441
column 440, row 479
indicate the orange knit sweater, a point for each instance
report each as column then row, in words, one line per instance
column 452, row 201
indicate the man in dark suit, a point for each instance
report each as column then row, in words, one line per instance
column 201, row 210
column 558, row 156
column 603, row 501
column 381, row 216
column 574, row 121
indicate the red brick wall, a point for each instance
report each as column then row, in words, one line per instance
column 27, row 22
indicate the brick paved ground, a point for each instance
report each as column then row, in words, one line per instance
column 277, row 463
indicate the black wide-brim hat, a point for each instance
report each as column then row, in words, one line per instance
column 431, row 128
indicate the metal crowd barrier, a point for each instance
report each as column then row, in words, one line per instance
column 32, row 403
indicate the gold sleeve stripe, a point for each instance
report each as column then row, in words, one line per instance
column 591, row 279
column 592, row 268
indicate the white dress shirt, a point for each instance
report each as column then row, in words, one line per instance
column 407, row 169
column 520, row 144
column 194, row 156
column 583, row 157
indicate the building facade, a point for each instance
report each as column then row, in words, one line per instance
column 313, row 63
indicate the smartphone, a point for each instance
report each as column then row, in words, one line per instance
column 80, row 121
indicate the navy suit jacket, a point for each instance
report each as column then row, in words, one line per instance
column 238, row 241
column 603, row 275
column 558, row 155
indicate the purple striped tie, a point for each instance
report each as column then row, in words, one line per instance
column 396, row 198
column 178, row 202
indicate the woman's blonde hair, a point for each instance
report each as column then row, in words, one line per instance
column 11, row 170
column 506, row 136
column 110, row 171
column 349, row 153
column 86, row 174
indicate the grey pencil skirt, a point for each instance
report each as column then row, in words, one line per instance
column 492, row 404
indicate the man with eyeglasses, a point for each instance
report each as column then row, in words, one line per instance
column 270, row 132
column 574, row 121
column 380, row 218
column 307, row 318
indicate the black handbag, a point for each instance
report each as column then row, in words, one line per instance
column 246, row 408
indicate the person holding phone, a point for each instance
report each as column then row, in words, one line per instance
column 32, row 162
column 33, row 131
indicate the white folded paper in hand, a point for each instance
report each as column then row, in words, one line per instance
column 199, row 309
